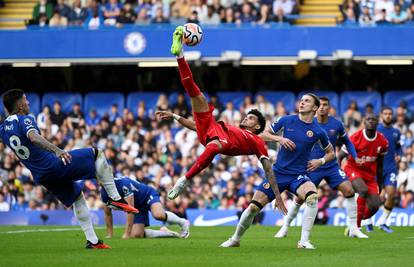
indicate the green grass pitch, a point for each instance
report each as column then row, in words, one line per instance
column 258, row 248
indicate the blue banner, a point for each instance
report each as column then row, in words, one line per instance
column 337, row 217
column 251, row 41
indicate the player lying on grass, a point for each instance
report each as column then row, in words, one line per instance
column 371, row 146
column 145, row 199
column 56, row 169
column 218, row 137
column 330, row 171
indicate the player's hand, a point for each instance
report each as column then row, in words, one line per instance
column 359, row 161
column 64, row 156
column 313, row 165
column 287, row 143
column 280, row 205
column 163, row 115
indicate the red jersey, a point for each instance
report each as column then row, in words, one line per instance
column 368, row 150
column 235, row 141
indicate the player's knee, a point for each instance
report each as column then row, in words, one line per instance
column 159, row 215
column 348, row 192
column 255, row 206
column 311, row 199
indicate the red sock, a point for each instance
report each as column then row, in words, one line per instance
column 203, row 161
column 360, row 210
column 187, row 78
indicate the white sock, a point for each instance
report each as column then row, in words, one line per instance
column 292, row 213
column 81, row 210
column 351, row 211
column 149, row 233
column 174, row 219
column 105, row 176
column 384, row 216
column 309, row 215
column 246, row 220
column 367, row 221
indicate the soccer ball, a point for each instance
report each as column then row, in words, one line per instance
column 192, row 34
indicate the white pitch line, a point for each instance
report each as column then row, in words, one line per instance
column 45, row 230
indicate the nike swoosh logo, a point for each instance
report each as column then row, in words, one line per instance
column 200, row 221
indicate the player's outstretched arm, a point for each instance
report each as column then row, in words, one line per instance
column 130, row 219
column 108, row 222
column 268, row 136
column 349, row 146
column 41, row 142
column 166, row 115
column 267, row 166
column 341, row 156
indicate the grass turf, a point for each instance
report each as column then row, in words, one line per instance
column 258, row 248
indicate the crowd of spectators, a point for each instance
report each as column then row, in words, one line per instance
column 96, row 13
column 377, row 12
column 158, row 152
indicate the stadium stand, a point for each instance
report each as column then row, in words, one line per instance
column 67, row 100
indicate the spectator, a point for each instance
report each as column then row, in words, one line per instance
column 4, row 206
column 111, row 11
column 127, row 15
column 93, row 119
column 380, row 6
column 176, row 18
column 200, row 8
column 264, row 15
column 57, row 117
column 184, row 7
column 76, row 118
column 398, row 16
column 193, row 18
column 350, row 11
column 370, row 4
column 159, row 17
column 383, row 18
column 78, row 14
column 264, row 106
column 63, row 9
column 58, row 20
column 162, row 102
column 211, row 18
column 229, row 16
column 366, row 19
column 282, row 8
column 181, row 107
column 43, row 119
column 247, row 14
column 352, row 118
column 142, row 17
column 143, row 4
column 405, row 181
column 21, row 204
column 42, row 8
column 113, row 113
column 230, row 115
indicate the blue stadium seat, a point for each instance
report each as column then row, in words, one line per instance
column 236, row 97
column 150, row 100
column 102, row 102
column 66, row 99
column 34, row 101
column 288, row 98
column 362, row 98
column 333, row 97
column 394, row 98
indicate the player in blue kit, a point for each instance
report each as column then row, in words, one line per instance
column 56, row 169
column 145, row 199
column 299, row 135
column 331, row 172
column 394, row 154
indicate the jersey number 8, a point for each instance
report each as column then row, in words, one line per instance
column 21, row 151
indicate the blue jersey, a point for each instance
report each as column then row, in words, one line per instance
column 142, row 193
column 14, row 133
column 335, row 130
column 305, row 136
column 393, row 137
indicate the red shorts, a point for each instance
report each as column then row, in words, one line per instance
column 208, row 128
column 371, row 183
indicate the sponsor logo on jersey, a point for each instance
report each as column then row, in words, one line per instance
column 309, row 133
column 266, row 185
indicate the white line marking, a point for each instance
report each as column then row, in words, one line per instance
column 47, row 230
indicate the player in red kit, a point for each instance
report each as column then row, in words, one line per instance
column 217, row 137
column 371, row 146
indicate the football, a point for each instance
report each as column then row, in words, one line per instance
column 192, row 34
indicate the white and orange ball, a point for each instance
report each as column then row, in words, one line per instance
column 193, row 34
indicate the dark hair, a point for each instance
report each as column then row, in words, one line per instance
column 315, row 99
column 10, row 99
column 260, row 118
column 387, row 108
column 324, row 98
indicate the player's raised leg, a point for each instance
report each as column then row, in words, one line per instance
column 160, row 214
column 287, row 220
column 351, row 210
column 260, row 199
column 307, row 191
column 105, row 177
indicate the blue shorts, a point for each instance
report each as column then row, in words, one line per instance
column 63, row 183
column 144, row 207
column 284, row 182
column 390, row 178
column 333, row 176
